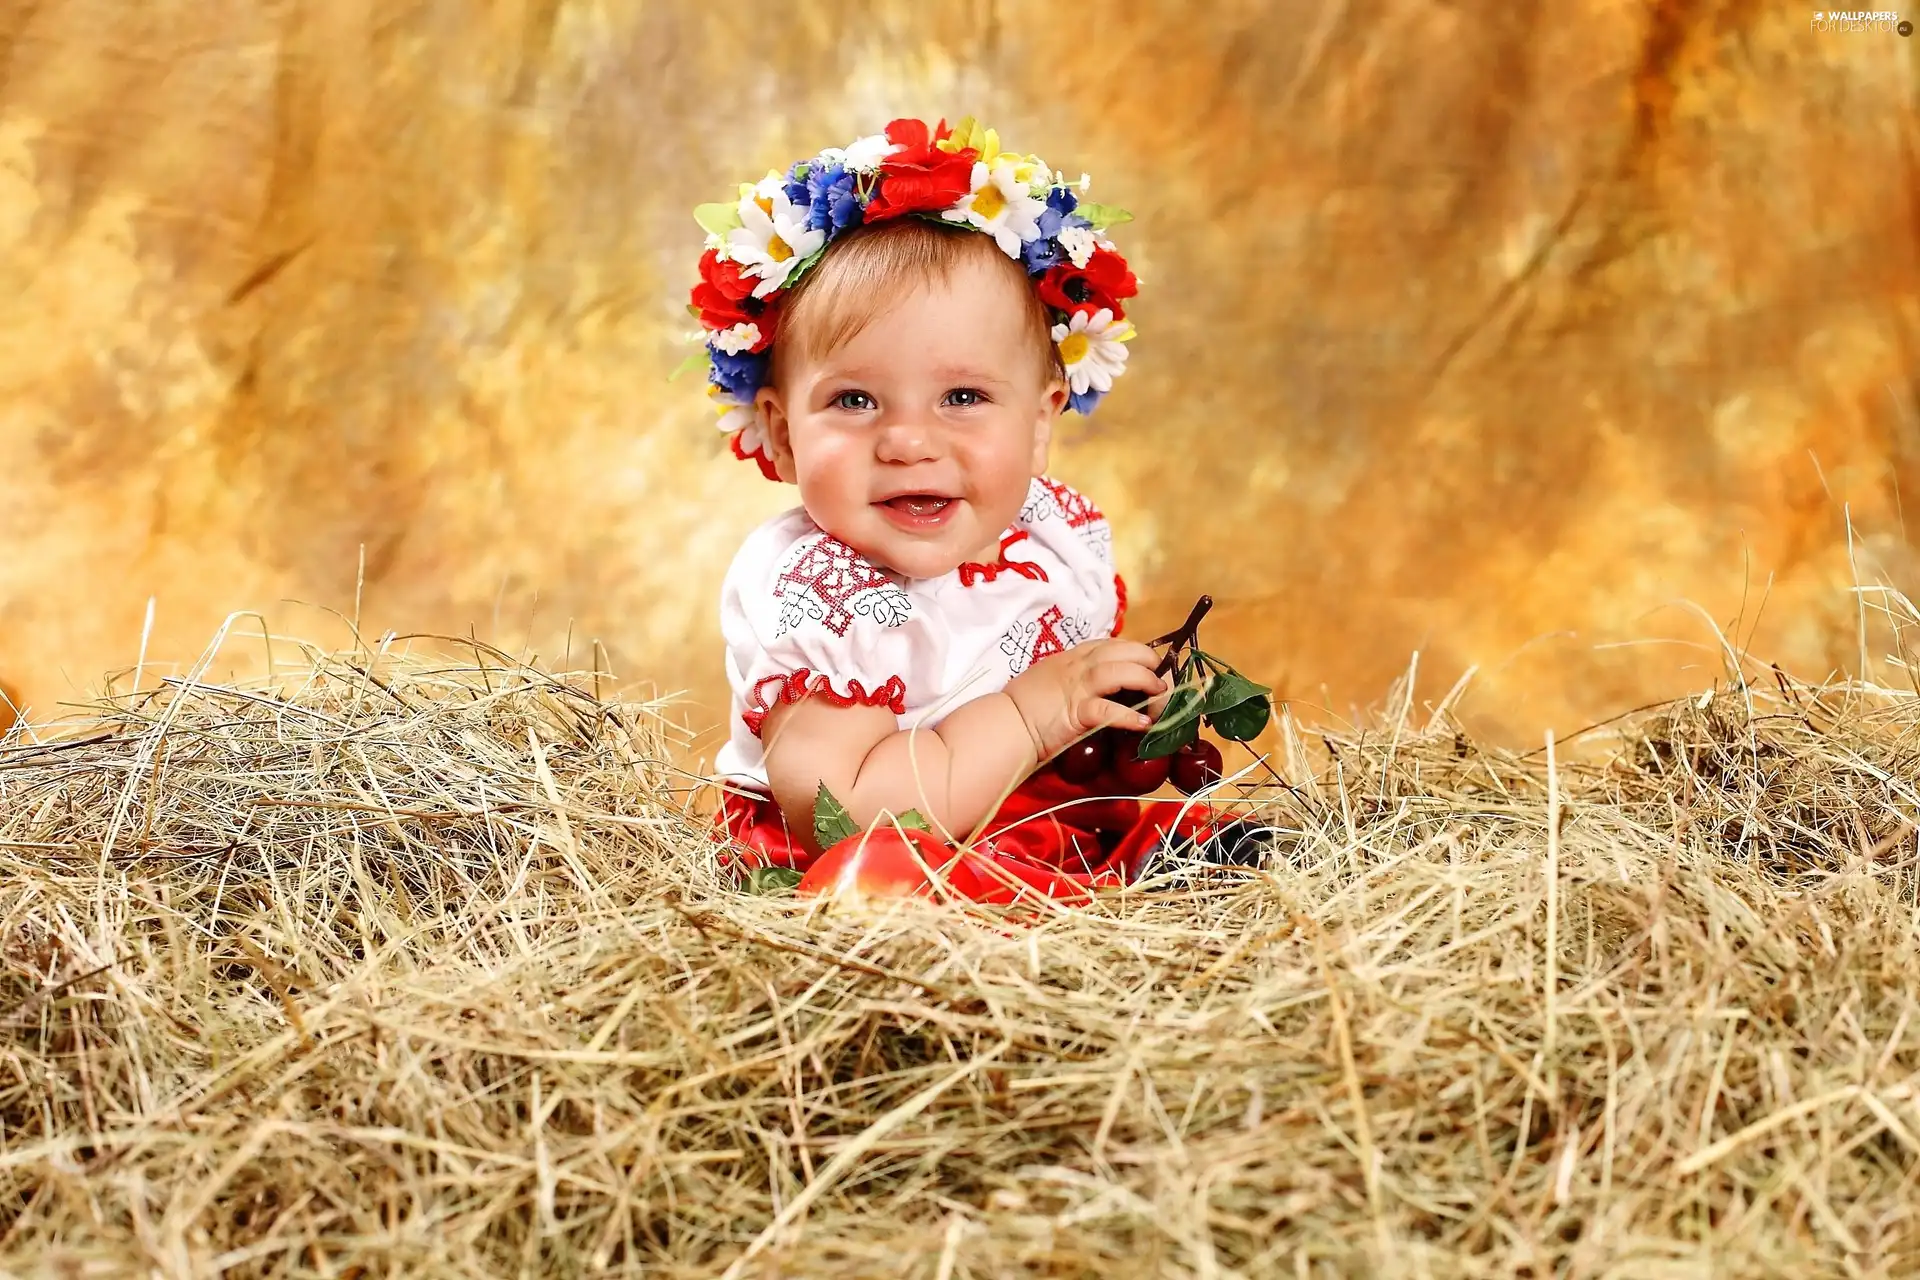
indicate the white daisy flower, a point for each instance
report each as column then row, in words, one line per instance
column 741, row 337
column 735, row 415
column 862, row 156
column 772, row 237
column 1001, row 203
column 1079, row 242
column 1092, row 349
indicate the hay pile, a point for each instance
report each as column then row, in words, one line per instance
column 405, row 966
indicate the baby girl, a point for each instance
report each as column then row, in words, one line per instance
column 894, row 328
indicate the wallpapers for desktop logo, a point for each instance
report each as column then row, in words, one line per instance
column 1861, row 21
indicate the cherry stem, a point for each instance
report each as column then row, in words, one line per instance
column 1181, row 636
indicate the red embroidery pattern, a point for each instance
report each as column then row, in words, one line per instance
column 1025, row 643
column 803, row 683
column 1076, row 507
column 1048, row 641
column 1120, row 609
column 971, row 572
column 830, row 582
column 1048, row 499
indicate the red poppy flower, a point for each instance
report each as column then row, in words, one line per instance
column 757, row 455
column 726, row 276
column 920, row 178
column 716, row 313
column 1101, row 284
column 724, row 298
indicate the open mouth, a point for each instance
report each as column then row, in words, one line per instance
column 918, row 506
column 919, row 512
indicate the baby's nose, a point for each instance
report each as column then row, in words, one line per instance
column 908, row 442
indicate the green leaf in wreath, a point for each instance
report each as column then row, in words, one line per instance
column 1102, row 216
column 1229, row 689
column 805, row 265
column 1178, row 725
column 772, row 882
column 718, row 218
column 911, row 820
column 1243, row 721
column 831, row 821
column 698, row 360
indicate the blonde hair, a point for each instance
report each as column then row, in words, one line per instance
column 869, row 267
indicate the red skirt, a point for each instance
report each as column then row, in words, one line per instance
column 1049, row 838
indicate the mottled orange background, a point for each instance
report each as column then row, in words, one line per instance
column 1488, row 330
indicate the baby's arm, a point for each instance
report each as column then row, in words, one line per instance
column 957, row 773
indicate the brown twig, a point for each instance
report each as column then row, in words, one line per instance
column 1181, row 636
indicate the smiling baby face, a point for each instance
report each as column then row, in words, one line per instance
column 913, row 395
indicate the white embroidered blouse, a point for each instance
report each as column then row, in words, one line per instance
column 805, row 614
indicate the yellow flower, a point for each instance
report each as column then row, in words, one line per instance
column 971, row 133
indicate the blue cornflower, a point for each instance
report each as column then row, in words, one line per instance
column 796, row 184
column 828, row 192
column 1042, row 255
column 1082, row 402
column 1059, row 213
column 740, row 375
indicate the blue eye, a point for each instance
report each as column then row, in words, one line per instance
column 855, row 401
column 966, row 397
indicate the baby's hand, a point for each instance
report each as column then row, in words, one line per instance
column 1064, row 696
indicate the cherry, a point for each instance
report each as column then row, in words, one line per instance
column 1084, row 761
column 1196, row 766
column 1131, row 774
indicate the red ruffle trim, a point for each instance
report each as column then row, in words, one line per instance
column 971, row 572
column 803, row 683
column 1120, row 609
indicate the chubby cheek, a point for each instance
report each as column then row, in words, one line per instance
column 999, row 465
column 833, row 473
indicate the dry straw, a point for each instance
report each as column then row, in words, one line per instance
column 405, row 965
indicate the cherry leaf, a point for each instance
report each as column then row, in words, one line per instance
column 831, row 821
column 1241, row 722
column 772, row 882
column 1229, row 689
column 1178, row 725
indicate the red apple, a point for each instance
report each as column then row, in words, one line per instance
column 882, row 863
column 1196, row 766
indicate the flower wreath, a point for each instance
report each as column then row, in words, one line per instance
column 760, row 245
